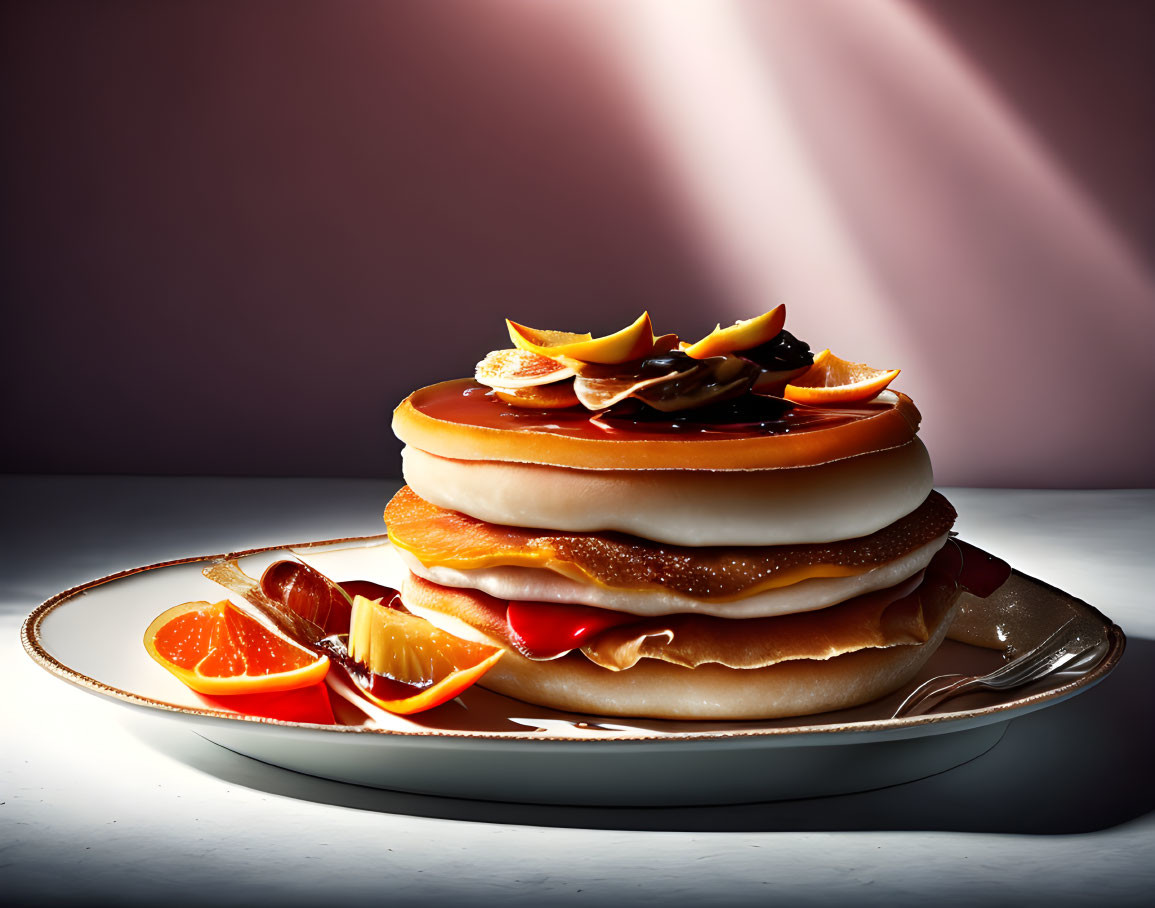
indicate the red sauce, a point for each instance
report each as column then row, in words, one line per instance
column 470, row 403
column 546, row 630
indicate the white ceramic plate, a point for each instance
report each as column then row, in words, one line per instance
column 491, row 747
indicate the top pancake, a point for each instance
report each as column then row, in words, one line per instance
column 464, row 420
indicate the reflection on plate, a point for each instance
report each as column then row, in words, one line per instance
column 487, row 746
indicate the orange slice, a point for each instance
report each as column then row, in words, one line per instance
column 516, row 369
column 630, row 343
column 215, row 648
column 414, row 664
column 832, row 380
column 742, row 335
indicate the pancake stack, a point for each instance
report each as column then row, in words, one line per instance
column 674, row 534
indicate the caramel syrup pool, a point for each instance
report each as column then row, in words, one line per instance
column 470, row 403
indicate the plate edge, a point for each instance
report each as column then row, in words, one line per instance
column 915, row 725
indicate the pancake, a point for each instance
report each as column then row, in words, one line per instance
column 465, row 420
column 718, row 574
column 663, row 532
column 540, row 585
column 840, row 500
column 660, row 690
column 698, row 667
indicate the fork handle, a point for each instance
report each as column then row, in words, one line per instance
column 930, row 691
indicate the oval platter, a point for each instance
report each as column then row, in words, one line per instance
column 489, row 747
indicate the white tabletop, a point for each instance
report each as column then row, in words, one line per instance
column 97, row 805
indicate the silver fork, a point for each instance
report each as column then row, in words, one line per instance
column 1066, row 649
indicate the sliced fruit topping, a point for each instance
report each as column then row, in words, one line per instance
column 773, row 383
column 215, row 648
column 665, row 344
column 833, row 380
column 779, row 361
column 308, row 593
column 628, row 344
column 547, row 630
column 784, row 352
column 742, row 335
column 670, row 382
column 546, row 397
column 515, row 369
column 410, row 665
column 752, row 356
column 303, row 616
column 600, row 393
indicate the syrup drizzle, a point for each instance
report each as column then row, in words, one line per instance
column 473, row 404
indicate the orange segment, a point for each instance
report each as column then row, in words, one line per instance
column 215, row 648
column 742, row 335
column 833, row 380
column 630, row 343
column 515, row 369
column 414, row 665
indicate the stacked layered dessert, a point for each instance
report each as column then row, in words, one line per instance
column 725, row 529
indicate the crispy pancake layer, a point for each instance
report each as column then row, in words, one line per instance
column 901, row 615
column 543, row 585
column 439, row 537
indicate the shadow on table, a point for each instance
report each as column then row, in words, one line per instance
column 1083, row 765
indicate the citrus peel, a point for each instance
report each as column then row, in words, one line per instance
column 832, row 380
column 742, row 335
column 422, row 665
column 632, row 342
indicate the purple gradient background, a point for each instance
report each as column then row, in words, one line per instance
column 234, row 235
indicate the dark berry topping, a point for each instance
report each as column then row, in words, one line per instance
column 782, row 352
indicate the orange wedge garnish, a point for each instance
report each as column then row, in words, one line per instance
column 832, row 380
column 630, row 343
column 215, row 648
column 742, row 335
column 515, row 369
column 422, row 665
